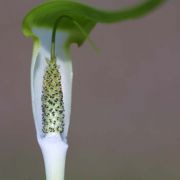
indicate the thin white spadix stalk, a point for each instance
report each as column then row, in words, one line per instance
column 53, row 145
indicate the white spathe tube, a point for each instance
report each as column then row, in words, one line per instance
column 53, row 146
column 54, row 154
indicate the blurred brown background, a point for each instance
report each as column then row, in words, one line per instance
column 125, row 121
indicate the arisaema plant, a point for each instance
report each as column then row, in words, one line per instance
column 54, row 26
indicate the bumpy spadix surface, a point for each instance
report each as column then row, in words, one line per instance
column 52, row 99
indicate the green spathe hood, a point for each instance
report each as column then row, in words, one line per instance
column 45, row 15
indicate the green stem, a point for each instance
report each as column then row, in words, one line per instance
column 53, row 40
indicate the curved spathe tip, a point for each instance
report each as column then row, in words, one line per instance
column 45, row 15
